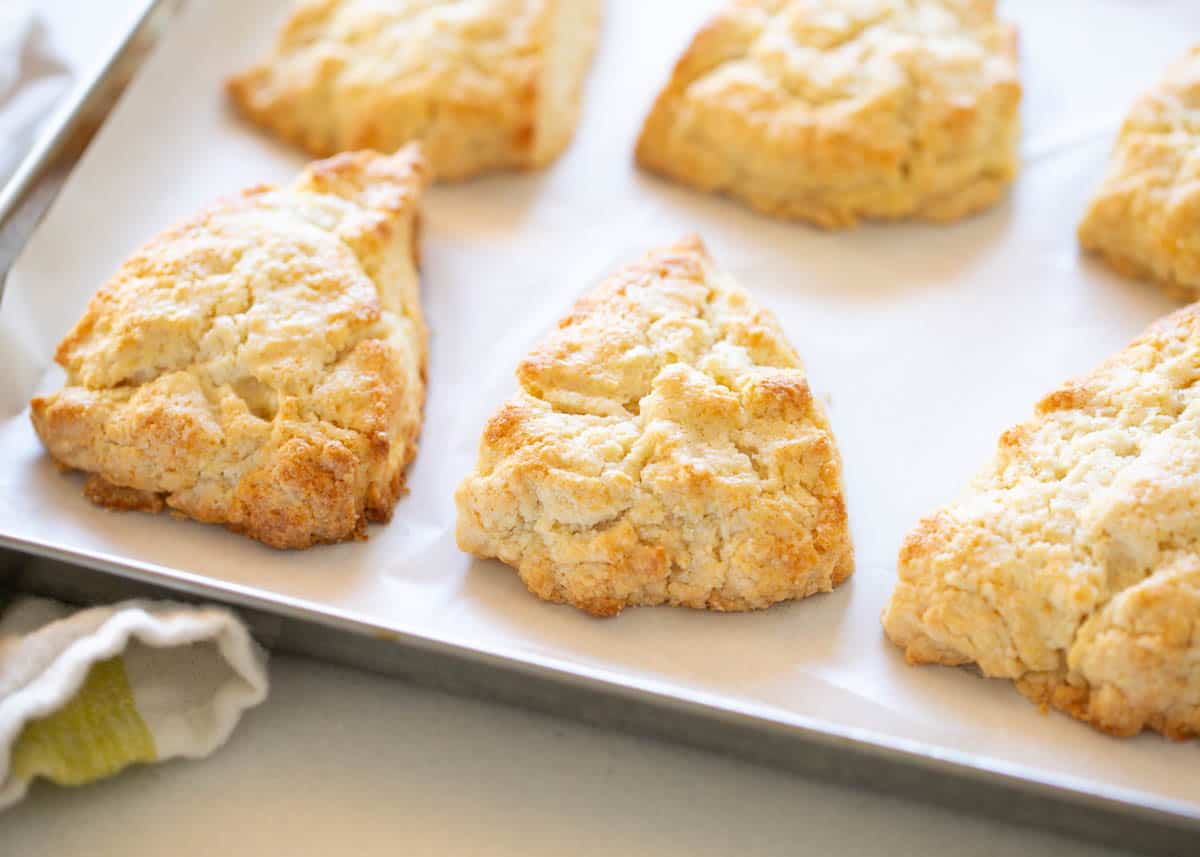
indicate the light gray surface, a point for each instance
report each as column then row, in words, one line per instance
column 339, row 762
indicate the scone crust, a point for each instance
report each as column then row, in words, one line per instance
column 1072, row 563
column 261, row 365
column 831, row 112
column 664, row 448
column 485, row 85
column 1144, row 221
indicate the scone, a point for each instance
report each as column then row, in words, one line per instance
column 1072, row 563
column 1145, row 219
column 831, row 111
column 485, row 84
column 663, row 448
column 261, row 365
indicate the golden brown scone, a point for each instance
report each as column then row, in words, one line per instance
column 831, row 111
column 1072, row 563
column 484, row 84
column 1145, row 219
column 664, row 448
column 261, row 365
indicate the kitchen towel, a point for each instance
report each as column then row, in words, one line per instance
column 85, row 693
column 32, row 77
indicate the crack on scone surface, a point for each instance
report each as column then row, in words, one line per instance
column 680, row 500
column 1087, row 508
column 829, row 112
column 227, row 364
column 280, row 316
column 718, row 334
column 357, row 74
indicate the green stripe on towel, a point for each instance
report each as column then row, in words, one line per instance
column 96, row 734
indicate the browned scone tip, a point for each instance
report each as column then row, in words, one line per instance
column 1071, row 564
column 663, row 448
column 485, row 85
column 262, row 364
column 833, row 112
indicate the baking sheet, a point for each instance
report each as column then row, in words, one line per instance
column 925, row 341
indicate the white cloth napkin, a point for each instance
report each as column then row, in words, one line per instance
column 31, row 79
column 84, row 694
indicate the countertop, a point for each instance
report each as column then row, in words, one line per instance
column 343, row 762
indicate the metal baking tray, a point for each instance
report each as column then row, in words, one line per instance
column 582, row 685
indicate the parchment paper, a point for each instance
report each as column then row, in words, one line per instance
column 926, row 341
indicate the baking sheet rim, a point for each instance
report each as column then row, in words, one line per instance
column 796, row 726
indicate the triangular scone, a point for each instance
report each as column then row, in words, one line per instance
column 261, row 365
column 831, row 111
column 1072, row 563
column 1145, row 219
column 664, row 448
column 486, row 85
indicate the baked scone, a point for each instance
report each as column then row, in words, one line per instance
column 1072, row 563
column 664, row 448
column 484, row 84
column 261, row 365
column 1145, row 219
column 831, row 111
